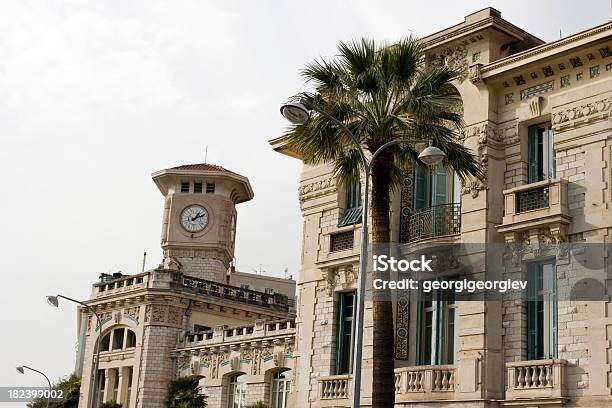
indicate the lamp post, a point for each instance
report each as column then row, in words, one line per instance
column 298, row 113
column 21, row 370
column 54, row 301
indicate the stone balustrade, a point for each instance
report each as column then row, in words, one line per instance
column 124, row 284
column 258, row 331
column 536, row 379
column 434, row 378
column 335, row 387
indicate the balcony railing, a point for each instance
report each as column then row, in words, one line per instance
column 435, row 221
column 535, row 205
column 251, row 297
column 222, row 334
column 335, row 387
column 431, row 378
column 536, row 379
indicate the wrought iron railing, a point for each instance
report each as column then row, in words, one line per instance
column 532, row 199
column 435, row 221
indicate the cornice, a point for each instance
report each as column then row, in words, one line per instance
column 544, row 48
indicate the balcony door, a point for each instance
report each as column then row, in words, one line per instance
column 435, row 189
column 437, row 339
column 542, row 310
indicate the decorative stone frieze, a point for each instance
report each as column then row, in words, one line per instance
column 596, row 110
column 317, row 188
column 339, row 278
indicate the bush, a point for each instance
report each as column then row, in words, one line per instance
column 184, row 392
column 111, row 404
column 258, row 404
column 71, row 385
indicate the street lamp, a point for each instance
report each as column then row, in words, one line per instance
column 54, row 301
column 298, row 113
column 21, row 370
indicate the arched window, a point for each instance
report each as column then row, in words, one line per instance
column 237, row 391
column 118, row 339
column 281, row 387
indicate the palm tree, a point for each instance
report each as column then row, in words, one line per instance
column 184, row 392
column 381, row 93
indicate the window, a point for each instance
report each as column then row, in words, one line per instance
column 118, row 339
column 131, row 339
column 341, row 241
column 437, row 342
column 129, row 386
column 210, row 188
column 541, row 310
column 541, row 153
column 269, row 291
column 197, row 187
column 345, row 333
column 281, row 387
column 115, row 384
column 244, row 286
column 184, row 186
column 101, row 384
column 437, row 186
column 352, row 200
column 237, row 391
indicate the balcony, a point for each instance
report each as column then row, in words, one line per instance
column 536, row 379
column 425, row 383
column 535, row 205
column 435, row 221
column 335, row 390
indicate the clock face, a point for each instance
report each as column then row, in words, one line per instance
column 194, row 218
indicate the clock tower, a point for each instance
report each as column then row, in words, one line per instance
column 199, row 221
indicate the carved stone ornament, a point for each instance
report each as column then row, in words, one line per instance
column 339, row 278
column 475, row 74
column 473, row 187
column 454, row 57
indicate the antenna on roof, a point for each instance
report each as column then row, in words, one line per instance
column 206, row 155
column 144, row 259
column 286, row 272
column 561, row 35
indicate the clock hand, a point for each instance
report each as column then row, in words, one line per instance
column 197, row 216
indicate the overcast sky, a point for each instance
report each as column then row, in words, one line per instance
column 94, row 96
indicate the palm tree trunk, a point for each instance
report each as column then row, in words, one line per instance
column 383, row 358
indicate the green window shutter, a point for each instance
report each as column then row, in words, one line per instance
column 352, row 213
column 533, row 153
column 440, row 337
column 420, row 187
column 340, row 334
column 439, row 186
column 419, row 328
column 532, row 311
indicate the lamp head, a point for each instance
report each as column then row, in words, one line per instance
column 295, row 113
column 431, row 156
column 20, row 370
column 53, row 301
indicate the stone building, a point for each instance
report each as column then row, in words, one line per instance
column 152, row 320
column 537, row 116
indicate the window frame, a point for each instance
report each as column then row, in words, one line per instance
column 343, row 366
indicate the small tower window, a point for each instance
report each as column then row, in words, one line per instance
column 210, row 188
column 197, row 187
column 184, row 186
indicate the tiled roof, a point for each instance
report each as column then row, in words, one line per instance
column 201, row 166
